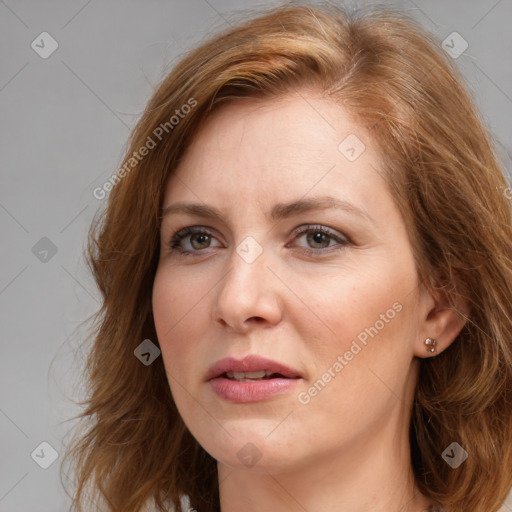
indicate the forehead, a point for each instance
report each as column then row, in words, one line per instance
column 256, row 151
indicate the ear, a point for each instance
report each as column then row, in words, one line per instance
column 440, row 321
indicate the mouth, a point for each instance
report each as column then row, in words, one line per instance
column 252, row 379
column 249, row 369
column 253, row 376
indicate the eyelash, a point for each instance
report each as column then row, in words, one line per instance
column 194, row 230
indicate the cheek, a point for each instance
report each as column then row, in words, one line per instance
column 178, row 294
column 346, row 305
column 366, row 319
column 178, row 303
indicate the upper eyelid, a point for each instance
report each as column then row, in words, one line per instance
column 320, row 227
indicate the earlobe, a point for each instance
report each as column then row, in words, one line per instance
column 441, row 327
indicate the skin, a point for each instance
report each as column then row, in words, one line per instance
column 347, row 448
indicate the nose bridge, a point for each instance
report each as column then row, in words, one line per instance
column 246, row 291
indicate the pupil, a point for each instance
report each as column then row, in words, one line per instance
column 201, row 237
column 318, row 237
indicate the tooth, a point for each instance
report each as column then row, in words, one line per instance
column 246, row 375
column 256, row 375
column 249, row 375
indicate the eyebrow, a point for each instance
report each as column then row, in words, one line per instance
column 279, row 211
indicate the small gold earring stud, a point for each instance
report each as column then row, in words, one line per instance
column 430, row 344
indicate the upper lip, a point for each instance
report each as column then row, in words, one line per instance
column 250, row 363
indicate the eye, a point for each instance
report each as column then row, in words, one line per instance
column 318, row 237
column 199, row 238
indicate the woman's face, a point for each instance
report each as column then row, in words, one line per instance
column 342, row 309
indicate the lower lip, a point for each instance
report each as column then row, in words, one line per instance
column 244, row 391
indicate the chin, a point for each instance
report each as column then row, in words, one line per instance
column 251, row 452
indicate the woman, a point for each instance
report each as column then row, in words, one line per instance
column 305, row 264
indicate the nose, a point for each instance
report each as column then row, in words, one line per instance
column 249, row 294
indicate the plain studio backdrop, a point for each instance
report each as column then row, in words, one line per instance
column 74, row 79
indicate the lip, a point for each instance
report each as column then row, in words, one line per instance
column 250, row 363
column 256, row 391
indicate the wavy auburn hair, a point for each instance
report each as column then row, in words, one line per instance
column 440, row 161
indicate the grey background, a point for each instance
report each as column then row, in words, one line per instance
column 64, row 124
